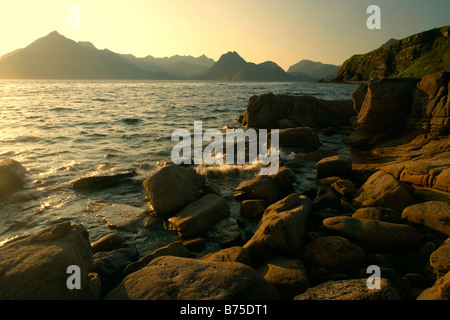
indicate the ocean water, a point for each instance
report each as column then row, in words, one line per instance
column 63, row 130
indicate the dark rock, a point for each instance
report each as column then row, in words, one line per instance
column 102, row 182
column 12, row 178
column 232, row 254
column 253, row 208
column 380, row 214
column 334, row 166
column 107, row 243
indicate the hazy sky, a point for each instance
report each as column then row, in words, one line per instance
column 284, row 31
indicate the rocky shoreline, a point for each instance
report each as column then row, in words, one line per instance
column 386, row 205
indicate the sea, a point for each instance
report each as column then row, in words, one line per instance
column 63, row 130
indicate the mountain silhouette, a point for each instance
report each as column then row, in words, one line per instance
column 56, row 57
column 316, row 70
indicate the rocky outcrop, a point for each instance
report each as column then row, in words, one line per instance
column 172, row 187
column 36, row 266
column 174, row 278
column 12, row 178
column 267, row 110
column 412, row 57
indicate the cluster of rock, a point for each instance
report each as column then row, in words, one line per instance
column 310, row 243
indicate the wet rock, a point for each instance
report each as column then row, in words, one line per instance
column 226, row 233
column 383, row 190
column 439, row 291
column 35, row 266
column 335, row 254
column 173, row 249
column 198, row 216
column 253, row 208
column 172, row 187
column 328, row 200
column 124, row 217
column 432, row 214
column 440, row 259
column 284, row 178
column 12, row 178
column 289, row 277
column 380, row 214
column 340, row 166
column 174, row 278
column 107, row 243
column 375, row 236
column 102, row 182
column 232, row 254
column 281, row 233
column 353, row 289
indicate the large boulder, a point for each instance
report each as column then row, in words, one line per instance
column 432, row 214
column 382, row 112
column 92, row 183
column 172, row 187
column 373, row 235
column 36, row 266
column 383, row 190
column 174, row 278
column 301, row 137
column 198, row 216
column 12, row 178
column 259, row 188
column 281, row 232
column 265, row 111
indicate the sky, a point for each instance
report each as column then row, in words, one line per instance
column 283, row 31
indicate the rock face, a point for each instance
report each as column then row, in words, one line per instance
column 12, row 178
column 432, row 214
column 383, row 190
column 375, row 236
column 266, row 110
column 412, row 57
column 174, row 278
column 200, row 215
column 354, row 289
column 35, row 266
column 281, row 233
column 172, row 187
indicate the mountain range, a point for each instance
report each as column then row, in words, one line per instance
column 57, row 57
column 415, row 56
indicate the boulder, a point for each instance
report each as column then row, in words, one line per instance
column 284, row 178
column 328, row 200
column 35, row 267
column 432, row 214
column 335, row 254
column 198, row 216
column 375, row 236
column 174, row 278
column 265, row 111
column 383, row 190
column 232, row 254
column 281, row 233
column 440, row 259
column 353, row 289
column 333, row 166
column 301, row 137
column 176, row 249
column 261, row 187
column 345, row 188
column 377, row 213
column 107, row 243
column 253, row 208
column 439, row 291
column 172, row 187
column 289, row 202
column 289, row 277
column 12, row 178
column 92, row 183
